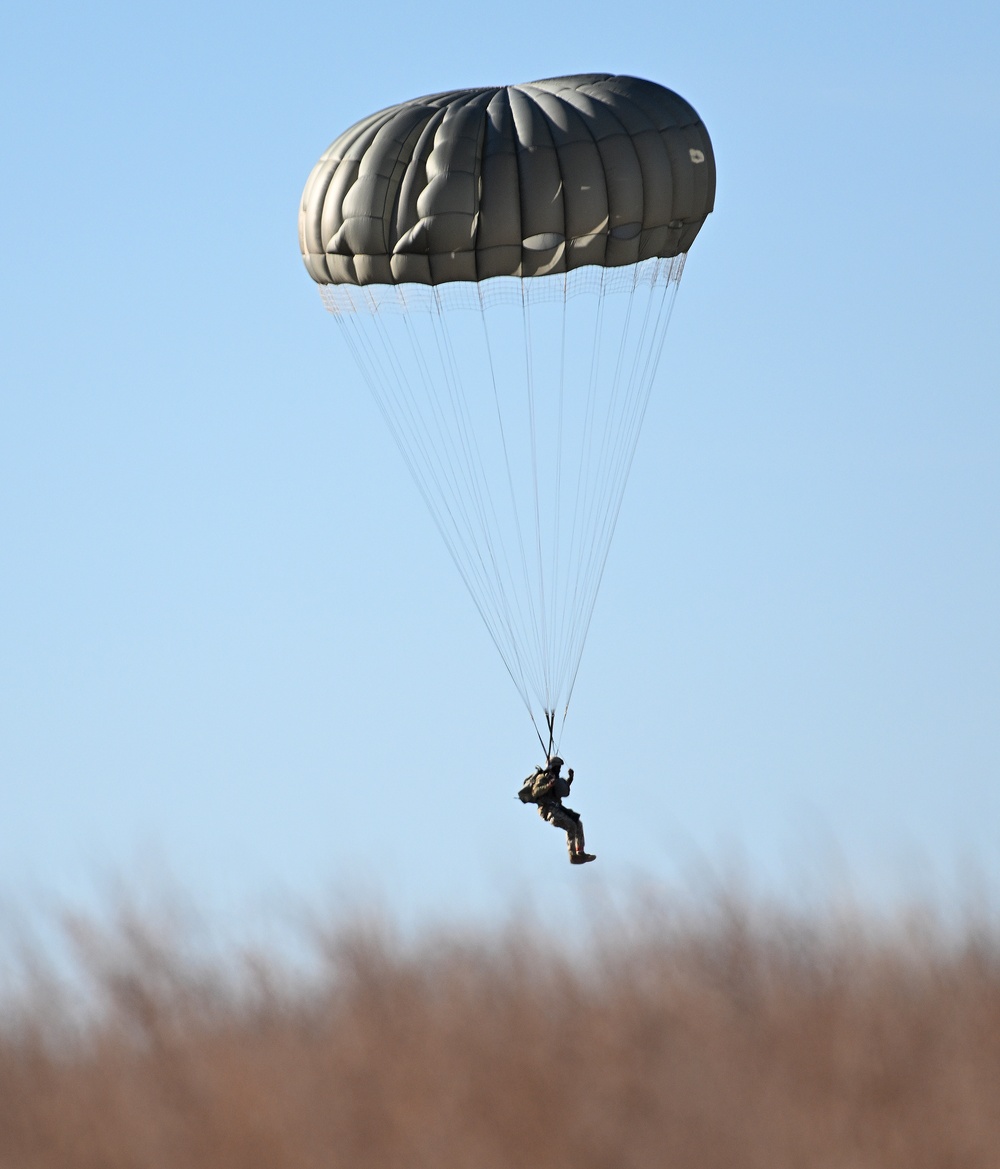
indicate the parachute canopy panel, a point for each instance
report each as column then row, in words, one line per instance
column 522, row 180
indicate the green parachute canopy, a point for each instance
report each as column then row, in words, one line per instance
column 502, row 265
column 522, row 180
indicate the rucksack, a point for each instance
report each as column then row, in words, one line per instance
column 527, row 792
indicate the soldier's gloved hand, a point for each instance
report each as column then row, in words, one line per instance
column 569, row 775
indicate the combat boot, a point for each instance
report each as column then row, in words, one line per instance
column 581, row 857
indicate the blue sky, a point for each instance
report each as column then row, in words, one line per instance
column 232, row 648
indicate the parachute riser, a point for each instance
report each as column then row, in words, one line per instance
column 550, row 726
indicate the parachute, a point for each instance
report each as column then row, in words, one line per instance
column 502, row 264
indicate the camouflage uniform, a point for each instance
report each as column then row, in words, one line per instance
column 550, row 790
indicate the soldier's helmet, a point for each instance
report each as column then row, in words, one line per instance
column 554, row 763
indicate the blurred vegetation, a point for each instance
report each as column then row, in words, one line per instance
column 722, row 1035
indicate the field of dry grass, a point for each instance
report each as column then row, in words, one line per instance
column 698, row 1039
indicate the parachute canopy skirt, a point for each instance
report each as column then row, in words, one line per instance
column 502, row 264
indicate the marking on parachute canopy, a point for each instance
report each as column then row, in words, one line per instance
column 697, row 155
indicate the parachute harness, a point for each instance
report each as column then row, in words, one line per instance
column 519, row 430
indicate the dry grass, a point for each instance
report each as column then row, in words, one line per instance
column 725, row 1038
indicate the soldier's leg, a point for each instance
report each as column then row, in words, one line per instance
column 557, row 816
column 577, row 833
column 578, row 854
